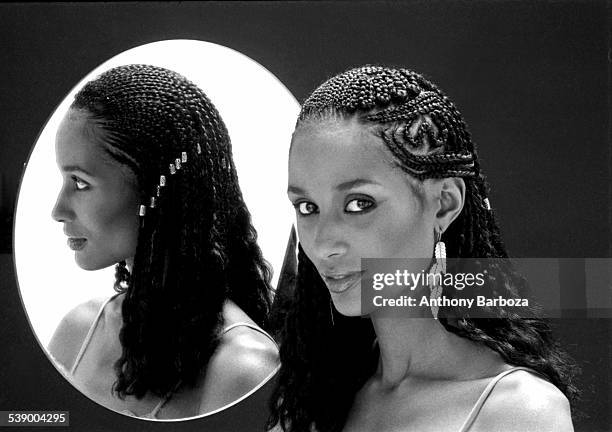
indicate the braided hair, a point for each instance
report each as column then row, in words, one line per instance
column 196, row 244
column 326, row 360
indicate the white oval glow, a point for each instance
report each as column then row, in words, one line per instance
column 260, row 114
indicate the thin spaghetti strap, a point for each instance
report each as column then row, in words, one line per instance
column 160, row 405
column 485, row 394
column 251, row 326
column 89, row 335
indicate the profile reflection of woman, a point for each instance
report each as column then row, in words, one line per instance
column 149, row 184
column 382, row 166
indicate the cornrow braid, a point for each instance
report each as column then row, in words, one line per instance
column 428, row 138
column 196, row 244
column 398, row 99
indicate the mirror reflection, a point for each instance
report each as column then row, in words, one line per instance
column 153, row 190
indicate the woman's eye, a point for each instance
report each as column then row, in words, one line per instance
column 306, row 208
column 358, row 205
column 78, row 183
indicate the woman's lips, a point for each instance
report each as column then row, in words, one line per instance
column 76, row 243
column 339, row 283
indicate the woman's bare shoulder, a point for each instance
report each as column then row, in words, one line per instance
column 524, row 401
column 71, row 331
column 244, row 360
column 250, row 355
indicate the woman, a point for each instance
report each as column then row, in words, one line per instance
column 381, row 165
column 150, row 185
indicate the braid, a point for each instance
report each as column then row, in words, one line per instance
column 399, row 99
column 428, row 138
column 307, row 383
column 192, row 242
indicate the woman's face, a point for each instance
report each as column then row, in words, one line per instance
column 352, row 202
column 98, row 203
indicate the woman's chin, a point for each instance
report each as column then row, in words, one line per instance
column 90, row 265
column 347, row 308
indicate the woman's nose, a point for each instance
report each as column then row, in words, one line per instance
column 329, row 239
column 62, row 212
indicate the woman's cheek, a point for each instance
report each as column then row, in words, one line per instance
column 304, row 232
column 391, row 236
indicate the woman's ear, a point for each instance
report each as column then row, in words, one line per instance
column 451, row 198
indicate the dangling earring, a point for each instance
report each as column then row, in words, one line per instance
column 331, row 311
column 438, row 268
column 122, row 276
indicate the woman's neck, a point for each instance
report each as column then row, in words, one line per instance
column 407, row 347
column 422, row 348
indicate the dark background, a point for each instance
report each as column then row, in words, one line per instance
column 531, row 78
